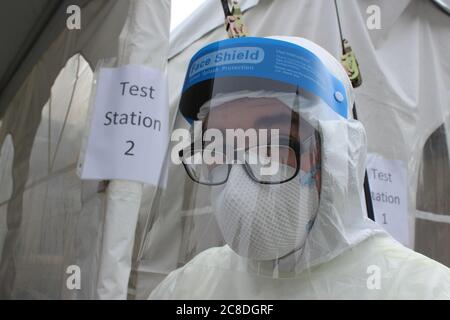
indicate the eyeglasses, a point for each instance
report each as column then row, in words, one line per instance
column 258, row 161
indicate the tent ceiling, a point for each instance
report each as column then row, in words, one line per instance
column 444, row 5
column 21, row 22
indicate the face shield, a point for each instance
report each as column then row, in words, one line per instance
column 246, row 153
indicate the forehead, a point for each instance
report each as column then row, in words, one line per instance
column 258, row 113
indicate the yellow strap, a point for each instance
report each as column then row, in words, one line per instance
column 234, row 23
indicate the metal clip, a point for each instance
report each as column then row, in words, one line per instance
column 351, row 65
column 234, row 23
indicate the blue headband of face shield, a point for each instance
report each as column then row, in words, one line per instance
column 258, row 64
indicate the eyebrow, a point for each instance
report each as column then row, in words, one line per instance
column 280, row 118
column 273, row 119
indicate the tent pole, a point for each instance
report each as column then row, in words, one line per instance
column 148, row 20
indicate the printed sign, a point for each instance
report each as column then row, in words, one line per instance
column 129, row 129
column 388, row 186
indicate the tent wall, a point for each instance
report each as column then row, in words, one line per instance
column 51, row 219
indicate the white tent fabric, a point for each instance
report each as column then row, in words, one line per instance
column 49, row 219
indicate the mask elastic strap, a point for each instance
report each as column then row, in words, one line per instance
column 287, row 263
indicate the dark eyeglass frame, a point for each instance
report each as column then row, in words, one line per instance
column 298, row 147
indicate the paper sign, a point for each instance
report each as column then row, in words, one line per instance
column 129, row 129
column 388, row 186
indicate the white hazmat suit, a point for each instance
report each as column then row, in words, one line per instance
column 345, row 255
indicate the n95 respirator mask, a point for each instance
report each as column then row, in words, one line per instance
column 264, row 222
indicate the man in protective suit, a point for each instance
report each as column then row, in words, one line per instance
column 300, row 233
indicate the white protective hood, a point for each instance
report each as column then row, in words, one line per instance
column 341, row 222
